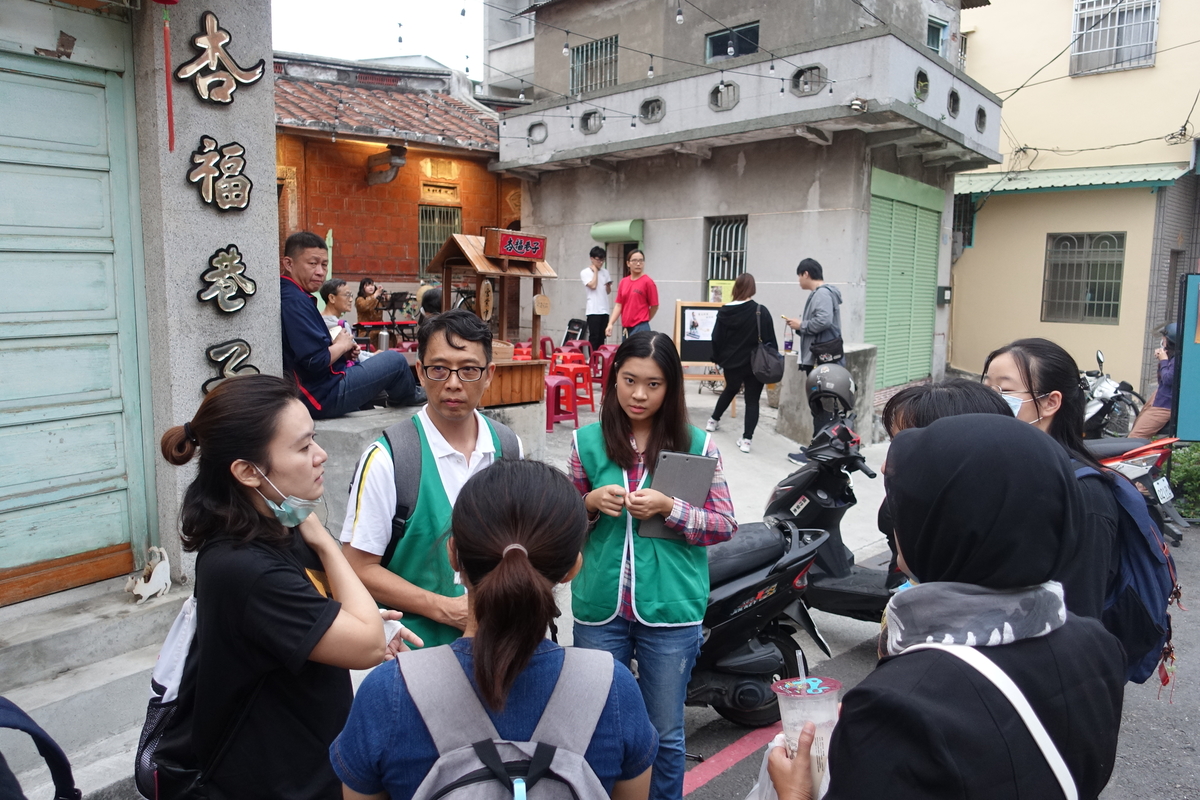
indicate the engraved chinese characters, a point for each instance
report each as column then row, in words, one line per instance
column 214, row 73
column 219, row 174
column 230, row 359
column 227, row 281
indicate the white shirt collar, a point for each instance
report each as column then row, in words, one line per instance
column 442, row 448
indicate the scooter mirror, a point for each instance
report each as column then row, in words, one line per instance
column 1100, row 359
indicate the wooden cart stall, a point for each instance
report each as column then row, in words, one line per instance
column 496, row 263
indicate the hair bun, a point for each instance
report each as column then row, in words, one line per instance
column 178, row 445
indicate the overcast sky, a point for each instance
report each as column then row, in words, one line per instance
column 358, row 29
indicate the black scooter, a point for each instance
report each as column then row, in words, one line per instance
column 754, row 607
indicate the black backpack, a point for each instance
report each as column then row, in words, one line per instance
column 60, row 769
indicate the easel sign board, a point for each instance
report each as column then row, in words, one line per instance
column 1187, row 368
column 693, row 331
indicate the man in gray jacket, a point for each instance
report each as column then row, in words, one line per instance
column 820, row 322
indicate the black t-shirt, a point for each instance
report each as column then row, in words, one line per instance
column 260, row 612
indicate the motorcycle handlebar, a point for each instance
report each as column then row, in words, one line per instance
column 861, row 465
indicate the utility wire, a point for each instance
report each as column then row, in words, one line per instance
column 566, row 97
column 878, row 18
column 1114, row 64
column 739, row 35
column 1065, row 49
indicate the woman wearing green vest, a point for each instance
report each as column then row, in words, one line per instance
column 638, row 597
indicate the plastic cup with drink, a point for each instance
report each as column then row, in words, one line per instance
column 814, row 700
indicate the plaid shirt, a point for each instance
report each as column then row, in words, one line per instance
column 712, row 524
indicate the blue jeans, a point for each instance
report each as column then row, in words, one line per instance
column 641, row 326
column 665, row 658
column 383, row 372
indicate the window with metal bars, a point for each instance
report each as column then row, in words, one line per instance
column 1083, row 278
column 731, row 43
column 964, row 219
column 435, row 224
column 1113, row 34
column 594, row 65
column 726, row 248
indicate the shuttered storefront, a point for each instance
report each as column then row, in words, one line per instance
column 73, row 497
column 902, row 259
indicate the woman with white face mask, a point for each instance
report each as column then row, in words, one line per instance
column 281, row 617
column 1040, row 382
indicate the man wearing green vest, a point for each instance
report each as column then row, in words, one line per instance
column 393, row 536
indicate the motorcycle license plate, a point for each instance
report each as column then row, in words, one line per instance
column 1162, row 488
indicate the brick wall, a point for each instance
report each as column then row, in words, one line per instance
column 375, row 227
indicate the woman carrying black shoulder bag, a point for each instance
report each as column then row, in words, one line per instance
column 742, row 326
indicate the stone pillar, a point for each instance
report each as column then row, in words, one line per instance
column 795, row 421
column 181, row 232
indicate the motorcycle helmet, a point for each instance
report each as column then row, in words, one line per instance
column 830, row 389
column 1170, row 332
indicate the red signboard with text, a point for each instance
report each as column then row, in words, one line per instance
column 499, row 243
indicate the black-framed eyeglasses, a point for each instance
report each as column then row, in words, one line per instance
column 465, row 374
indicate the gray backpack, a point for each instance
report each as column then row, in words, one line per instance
column 474, row 762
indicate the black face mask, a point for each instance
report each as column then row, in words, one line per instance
column 982, row 499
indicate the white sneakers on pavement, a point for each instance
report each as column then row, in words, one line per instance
column 744, row 445
column 712, row 424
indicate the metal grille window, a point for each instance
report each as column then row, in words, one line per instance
column 1113, row 35
column 731, row 43
column 1083, row 277
column 964, row 219
column 594, row 65
column 435, row 224
column 726, row 248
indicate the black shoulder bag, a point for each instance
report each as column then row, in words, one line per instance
column 765, row 360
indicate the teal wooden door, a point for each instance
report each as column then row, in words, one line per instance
column 73, row 502
column 902, row 254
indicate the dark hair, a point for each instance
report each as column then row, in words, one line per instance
column 362, row 286
column 235, row 421
column 533, row 505
column 597, row 252
column 744, row 287
column 300, row 241
column 919, row 406
column 1045, row 367
column 431, row 301
column 813, row 269
column 671, row 430
column 633, row 253
column 458, row 326
column 330, row 287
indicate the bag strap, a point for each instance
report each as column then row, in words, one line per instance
column 758, row 321
column 988, row 669
column 445, row 698
column 578, row 700
column 510, row 447
column 11, row 716
column 405, row 444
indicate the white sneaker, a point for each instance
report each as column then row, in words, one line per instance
column 711, row 425
column 744, row 445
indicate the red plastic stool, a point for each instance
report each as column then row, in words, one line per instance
column 546, row 347
column 607, row 348
column 583, row 346
column 522, row 356
column 406, row 347
column 568, row 357
column 581, row 377
column 602, row 361
column 560, row 401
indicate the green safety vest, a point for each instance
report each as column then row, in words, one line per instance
column 670, row 578
column 420, row 555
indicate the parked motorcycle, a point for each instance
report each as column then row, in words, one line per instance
column 1142, row 462
column 1111, row 406
column 757, row 579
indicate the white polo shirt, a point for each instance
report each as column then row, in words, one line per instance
column 372, row 504
column 597, row 299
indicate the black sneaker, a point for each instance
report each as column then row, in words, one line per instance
column 799, row 459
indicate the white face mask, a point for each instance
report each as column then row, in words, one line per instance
column 1016, row 404
column 290, row 511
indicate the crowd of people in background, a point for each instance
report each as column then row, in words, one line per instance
column 999, row 543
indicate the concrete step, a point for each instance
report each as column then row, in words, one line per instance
column 103, row 770
column 52, row 635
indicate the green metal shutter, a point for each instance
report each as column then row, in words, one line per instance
column 72, row 480
column 902, row 254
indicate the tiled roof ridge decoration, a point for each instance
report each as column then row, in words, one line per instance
column 392, row 112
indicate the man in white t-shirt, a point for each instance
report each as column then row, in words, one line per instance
column 597, row 286
column 400, row 554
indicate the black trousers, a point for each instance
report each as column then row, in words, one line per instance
column 596, row 324
column 736, row 378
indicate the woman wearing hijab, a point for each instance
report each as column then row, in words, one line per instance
column 984, row 508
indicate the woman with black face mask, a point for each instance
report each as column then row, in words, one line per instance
column 984, row 510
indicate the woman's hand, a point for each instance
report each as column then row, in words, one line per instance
column 792, row 323
column 315, row 535
column 403, row 637
column 608, row 499
column 1160, row 353
column 645, row 503
column 792, row 777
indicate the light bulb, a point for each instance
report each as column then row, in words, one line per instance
column 399, row 39
column 781, row 85
column 807, row 85
column 521, row 96
column 679, row 16
column 650, row 72
column 771, row 71
column 462, row 13
column 566, row 48
column 729, row 50
column 633, row 122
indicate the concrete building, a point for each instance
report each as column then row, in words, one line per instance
column 751, row 137
column 1081, row 235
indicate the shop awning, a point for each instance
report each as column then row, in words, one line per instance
column 1063, row 180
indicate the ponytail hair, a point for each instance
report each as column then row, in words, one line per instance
column 236, row 421
column 518, row 527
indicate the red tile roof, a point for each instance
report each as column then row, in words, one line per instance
column 383, row 111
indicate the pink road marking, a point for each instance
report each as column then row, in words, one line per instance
column 725, row 758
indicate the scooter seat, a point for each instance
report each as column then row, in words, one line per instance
column 1110, row 448
column 753, row 546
